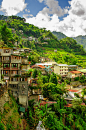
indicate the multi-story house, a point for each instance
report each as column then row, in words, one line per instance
column 72, row 67
column 73, row 74
column 61, row 69
column 11, row 71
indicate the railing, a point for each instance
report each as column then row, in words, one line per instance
column 6, row 68
column 15, row 61
column 6, row 54
column 6, row 61
column 13, row 82
column 24, row 62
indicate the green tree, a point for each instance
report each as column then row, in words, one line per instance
column 6, row 34
column 53, row 78
column 34, row 73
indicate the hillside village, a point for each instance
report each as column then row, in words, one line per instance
column 42, row 79
column 13, row 74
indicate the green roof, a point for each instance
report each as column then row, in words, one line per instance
column 22, row 109
column 82, row 70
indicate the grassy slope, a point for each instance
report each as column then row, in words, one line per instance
column 64, row 57
column 11, row 118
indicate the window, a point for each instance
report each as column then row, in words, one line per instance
column 14, row 65
column 6, row 51
column 6, row 65
column 5, row 72
column 14, row 72
column 14, row 79
column 15, row 86
column 6, row 58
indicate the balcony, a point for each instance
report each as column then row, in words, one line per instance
column 6, row 54
column 13, row 82
column 15, row 75
column 7, row 74
column 6, row 68
column 15, row 68
column 15, row 60
column 6, row 61
column 24, row 62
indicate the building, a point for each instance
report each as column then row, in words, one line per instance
column 49, row 66
column 11, row 72
column 73, row 74
column 83, row 72
column 61, row 69
column 41, row 68
column 72, row 67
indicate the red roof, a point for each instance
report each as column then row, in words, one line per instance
column 72, row 90
column 68, row 105
column 41, row 66
column 75, row 72
column 50, row 102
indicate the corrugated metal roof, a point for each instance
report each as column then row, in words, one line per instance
column 62, row 64
column 22, row 109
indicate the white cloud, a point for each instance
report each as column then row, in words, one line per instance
column 52, row 7
column 12, row 7
column 78, row 7
column 40, row 1
column 27, row 10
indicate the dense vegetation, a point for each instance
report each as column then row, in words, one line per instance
column 59, row 35
column 24, row 30
column 80, row 39
column 55, row 116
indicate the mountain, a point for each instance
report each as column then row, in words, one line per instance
column 59, row 35
column 81, row 40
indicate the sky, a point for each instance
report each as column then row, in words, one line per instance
column 66, row 16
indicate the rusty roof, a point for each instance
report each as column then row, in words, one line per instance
column 75, row 72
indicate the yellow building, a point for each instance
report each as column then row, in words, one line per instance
column 61, row 69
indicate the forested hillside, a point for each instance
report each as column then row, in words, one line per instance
column 18, row 31
column 79, row 39
column 59, row 35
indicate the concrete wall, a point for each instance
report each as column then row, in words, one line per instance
column 23, row 93
column 56, row 69
column 23, row 100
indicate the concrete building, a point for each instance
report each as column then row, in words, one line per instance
column 61, row 69
column 72, row 67
column 73, row 74
column 11, row 72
